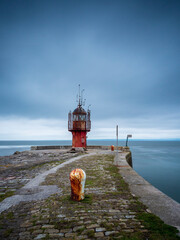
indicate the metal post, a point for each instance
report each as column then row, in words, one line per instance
column 117, row 137
column 128, row 136
column 126, row 140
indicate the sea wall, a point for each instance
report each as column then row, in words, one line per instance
column 49, row 147
column 158, row 202
column 129, row 159
column 120, row 148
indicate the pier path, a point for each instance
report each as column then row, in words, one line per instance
column 39, row 204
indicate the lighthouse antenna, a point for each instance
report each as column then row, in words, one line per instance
column 82, row 97
column 79, row 97
column 89, row 106
column 84, row 102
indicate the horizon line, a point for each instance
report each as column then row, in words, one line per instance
column 104, row 139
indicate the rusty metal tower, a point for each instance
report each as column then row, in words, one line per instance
column 79, row 122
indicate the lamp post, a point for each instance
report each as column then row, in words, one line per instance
column 117, row 137
column 128, row 136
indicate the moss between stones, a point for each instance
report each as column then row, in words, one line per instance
column 7, row 194
column 8, row 232
column 80, row 230
column 90, row 233
column 10, row 215
column 122, row 185
column 109, row 227
column 158, row 229
column 64, row 224
column 88, row 199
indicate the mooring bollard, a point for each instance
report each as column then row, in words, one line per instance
column 77, row 178
column 112, row 147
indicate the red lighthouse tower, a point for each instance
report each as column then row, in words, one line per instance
column 79, row 123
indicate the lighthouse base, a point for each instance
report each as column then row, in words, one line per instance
column 78, row 150
column 79, row 139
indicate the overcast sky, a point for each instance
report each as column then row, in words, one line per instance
column 124, row 53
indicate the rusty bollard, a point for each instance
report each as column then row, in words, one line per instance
column 77, row 178
column 112, row 147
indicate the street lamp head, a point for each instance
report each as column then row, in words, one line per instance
column 129, row 136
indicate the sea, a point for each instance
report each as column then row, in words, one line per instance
column 156, row 161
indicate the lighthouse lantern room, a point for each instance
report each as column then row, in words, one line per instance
column 79, row 123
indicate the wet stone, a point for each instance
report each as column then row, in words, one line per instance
column 128, row 230
column 54, row 235
column 77, row 228
column 26, row 224
column 51, row 230
column 100, row 229
column 99, row 234
column 47, row 226
column 34, row 227
column 108, row 233
column 37, row 232
column 40, row 236
column 24, row 233
column 130, row 216
column 92, row 226
column 65, row 230
column 69, row 235
column 61, row 216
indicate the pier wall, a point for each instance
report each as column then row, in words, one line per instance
column 158, row 202
column 120, row 148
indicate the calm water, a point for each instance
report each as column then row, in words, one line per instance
column 157, row 161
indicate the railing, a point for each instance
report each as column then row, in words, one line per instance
column 79, row 125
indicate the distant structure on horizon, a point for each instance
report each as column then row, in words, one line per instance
column 79, row 123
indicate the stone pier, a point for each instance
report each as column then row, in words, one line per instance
column 39, row 205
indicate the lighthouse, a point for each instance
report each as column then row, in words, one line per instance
column 79, row 123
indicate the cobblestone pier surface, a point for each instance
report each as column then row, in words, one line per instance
column 36, row 189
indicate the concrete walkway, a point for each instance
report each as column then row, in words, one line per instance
column 32, row 191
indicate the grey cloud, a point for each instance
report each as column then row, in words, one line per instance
column 124, row 53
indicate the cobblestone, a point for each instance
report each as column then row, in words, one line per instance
column 92, row 226
column 24, row 234
column 47, row 226
column 100, row 229
column 99, row 234
column 70, row 235
column 37, row 232
column 56, row 235
column 66, row 230
column 40, row 236
column 110, row 233
column 77, row 228
column 51, row 230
